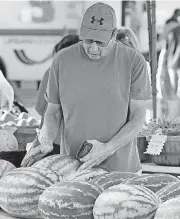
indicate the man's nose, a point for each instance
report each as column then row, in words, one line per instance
column 94, row 47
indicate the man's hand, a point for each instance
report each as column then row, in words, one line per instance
column 32, row 156
column 35, row 154
column 96, row 156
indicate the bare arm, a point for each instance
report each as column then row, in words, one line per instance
column 101, row 151
column 131, row 129
column 52, row 118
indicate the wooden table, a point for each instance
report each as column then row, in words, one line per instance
column 153, row 168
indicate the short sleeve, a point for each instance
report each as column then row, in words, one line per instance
column 41, row 102
column 53, row 83
column 140, row 81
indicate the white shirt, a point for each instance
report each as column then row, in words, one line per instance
column 6, row 94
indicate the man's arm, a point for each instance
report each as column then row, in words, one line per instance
column 131, row 129
column 101, row 151
column 52, row 118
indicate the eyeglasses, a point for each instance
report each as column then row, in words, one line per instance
column 100, row 44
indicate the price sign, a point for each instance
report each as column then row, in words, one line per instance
column 156, row 144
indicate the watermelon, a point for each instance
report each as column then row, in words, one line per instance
column 8, row 141
column 70, row 200
column 126, row 202
column 5, row 166
column 170, row 191
column 154, row 182
column 113, row 178
column 20, row 190
column 85, row 175
column 62, row 164
column 169, row 209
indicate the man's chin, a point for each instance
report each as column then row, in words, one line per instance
column 94, row 57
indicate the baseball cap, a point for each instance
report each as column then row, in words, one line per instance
column 98, row 23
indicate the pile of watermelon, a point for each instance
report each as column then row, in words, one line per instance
column 54, row 188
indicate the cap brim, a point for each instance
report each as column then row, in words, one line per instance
column 96, row 35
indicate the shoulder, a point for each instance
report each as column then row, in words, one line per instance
column 131, row 53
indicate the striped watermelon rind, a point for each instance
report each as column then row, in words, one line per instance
column 5, row 166
column 109, row 179
column 20, row 190
column 71, row 199
column 154, row 182
column 62, row 164
column 85, row 175
column 170, row 191
column 126, row 201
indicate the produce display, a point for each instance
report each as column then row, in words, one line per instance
column 54, row 188
column 69, row 199
column 169, row 209
column 113, row 178
column 163, row 125
column 20, row 190
column 5, row 166
column 86, row 175
column 64, row 165
column 154, row 182
column 126, row 201
column 9, row 120
column 170, row 191
column 8, row 141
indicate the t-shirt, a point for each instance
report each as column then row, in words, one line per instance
column 94, row 97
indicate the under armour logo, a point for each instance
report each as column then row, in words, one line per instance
column 94, row 19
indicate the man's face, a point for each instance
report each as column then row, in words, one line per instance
column 97, row 49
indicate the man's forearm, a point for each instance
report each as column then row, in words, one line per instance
column 49, row 128
column 129, row 131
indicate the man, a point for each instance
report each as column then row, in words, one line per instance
column 6, row 94
column 100, row 87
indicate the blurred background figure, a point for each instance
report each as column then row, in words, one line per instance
column 168, row 83
column 17, row 106
column 171, row 23
column 6, row 94
column 128, row 37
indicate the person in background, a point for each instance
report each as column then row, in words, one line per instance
column 175, row 17
column 41, row 100
column 127, row 36
column 168, row 74
column 6, row 94
column 100, row 88
column 171, row 23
